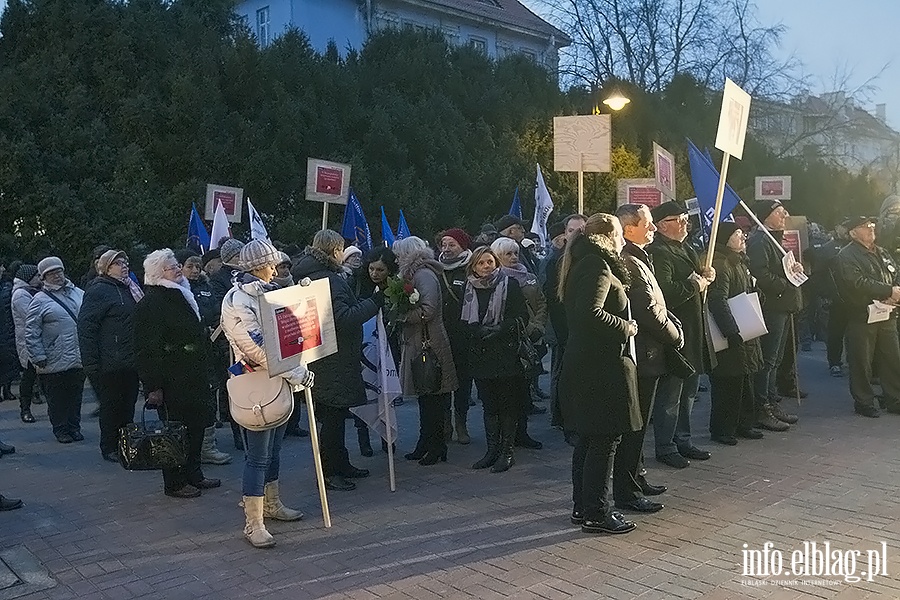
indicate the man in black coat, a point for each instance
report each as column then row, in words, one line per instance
column 656, row 331
column 514, row 228
column 683, row 281
column 824, row 264
column 868, row 274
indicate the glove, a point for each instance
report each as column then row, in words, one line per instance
column 155, row 398
column 300, row 377
column 378, row 298
column 735, row 340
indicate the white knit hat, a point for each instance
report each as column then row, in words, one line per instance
column 48, row 264
column 259, row 253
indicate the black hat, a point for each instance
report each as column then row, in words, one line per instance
column 507, row 221
column 854, row 222
column 763, row 208
column 211, row 255
column 726, row 230
column 668, row 209
column 556, row 229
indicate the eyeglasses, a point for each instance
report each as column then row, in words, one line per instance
column 678, row 219
column 120, row 262
column 176, row 267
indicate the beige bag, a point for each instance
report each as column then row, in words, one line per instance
column 259, row 402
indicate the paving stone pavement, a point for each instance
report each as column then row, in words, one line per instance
column 450, row 532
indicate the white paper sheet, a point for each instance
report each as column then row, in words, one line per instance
column 879, row 311
column 747, row 312
column 797, row 278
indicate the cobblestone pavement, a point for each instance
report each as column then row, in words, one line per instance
column 450, row 532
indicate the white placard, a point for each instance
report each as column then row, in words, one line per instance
column 793, row 270
column 582, row 143
column 298, row 324
column 327, row 181
column 231, row 199
column 664, row 164
column 747, row 313
column 773, row 188
column 879, row 311
column 693, row 206
column 733, row 120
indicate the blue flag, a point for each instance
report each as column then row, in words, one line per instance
column 402, row 227
column 355, row 226
column 705, row 178
column 198, row 237
column 386, row 234
column 515, row 209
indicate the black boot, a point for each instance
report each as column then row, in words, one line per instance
column 507, row 437
column 435, row 437
column 236, row 434
column 365, row 446
column 492, row 435
column 521, row 437
column 7, row 392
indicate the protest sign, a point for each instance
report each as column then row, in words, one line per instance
column 664, row 165
column 231, row 199
column 327, row 182
column 582, row 144
column 638, row 191
column 773, row 188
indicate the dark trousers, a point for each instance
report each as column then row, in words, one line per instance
column 592, row 461
column 556, row 357
column 732, row 405
column 463, row 394
column 499, row 396
column 117, row 393
column 786, row 381
column 772, row 348
column 629, row 458
column 837, row 327
column 433, row 410
column 26, row 387
column 332, row 444
column 876, row 342
column 193, row 418
column 64, row 391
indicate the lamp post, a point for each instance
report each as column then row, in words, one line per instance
column 616, row 102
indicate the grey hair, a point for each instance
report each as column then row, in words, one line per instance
column 629, row 214
column 155, row 265
column 409, row 249
column 502, row 245
column 328, row 240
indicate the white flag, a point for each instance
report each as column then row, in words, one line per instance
column 220, row 228
column 381, row 380
column 257, row 227
column 543, row 206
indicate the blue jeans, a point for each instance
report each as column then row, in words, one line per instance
column 262, row 457
column 772, row 350
column 672, row 413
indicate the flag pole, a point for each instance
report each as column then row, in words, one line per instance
column 717, row 214
column 317, row 456
column 581, row 183
column 324, row 216
column 764, row 229
column 382, row 398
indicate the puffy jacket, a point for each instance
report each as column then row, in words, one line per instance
column 106, row 326
column 241, row 323
column 51, row 334
column 21, row 299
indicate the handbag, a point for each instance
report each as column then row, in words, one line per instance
column 676, row 363
column 424, row 366
column 153, row 446
column 529, row 357
column 259, row 402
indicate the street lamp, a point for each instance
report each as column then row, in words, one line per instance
column 617, row 101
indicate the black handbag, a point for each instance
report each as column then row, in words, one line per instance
column 677, row 364
column 529, row 357
column 425, row 368
column 154, row 445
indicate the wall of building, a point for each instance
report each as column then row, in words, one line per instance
column 340, row 20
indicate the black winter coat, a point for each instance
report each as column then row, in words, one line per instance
column 494, row 351
column 171, row 349
column 865, row 276
column 598, row 383
column 673, row 263
column 210, row 309
column 220, row 283
column 106, row 326
column 555, row 309
column 732, row 278
column 9, row 358
column 779, row 294
column 453, row 288
column 339, row 381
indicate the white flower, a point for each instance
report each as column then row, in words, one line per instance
column 414, row 297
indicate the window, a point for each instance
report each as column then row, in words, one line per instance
column 479, row 44
column 262, row 26
column 529, row 54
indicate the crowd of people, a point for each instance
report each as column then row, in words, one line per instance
column 629, row 291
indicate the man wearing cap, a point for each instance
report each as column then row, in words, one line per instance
column 867, row 274
column 514, row 228
column 211, row 262
column 780, row 301
column 683, row 280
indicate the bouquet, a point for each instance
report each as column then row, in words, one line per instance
column 399, row 298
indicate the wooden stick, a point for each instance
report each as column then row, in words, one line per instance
column 717, row 213
column 796, row 371
column 317, row 457
column 324, row 216
column 581, row 184
column 764, row 229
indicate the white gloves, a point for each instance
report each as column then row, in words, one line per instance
column 300, row 377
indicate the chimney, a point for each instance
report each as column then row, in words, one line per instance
column 881, row 112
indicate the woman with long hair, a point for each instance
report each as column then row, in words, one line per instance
column 598, row 404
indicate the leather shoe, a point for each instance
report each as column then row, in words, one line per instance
column 577, row 516
column 7, row 449
column 783, row 416
column 64, row 438
column 529, row 443
column 641, row 505
column 187, row 491
column 9, row 503
column 352, row 472
column 339, row 484
column 750, row 433
column 111, row 457
column 615, row 523
column 867, row 411
column 206, row 483
column 674, row 460
column 77, row 437
column 26, row 416
column 694, row 453
column 653, row 490
column 728, row 440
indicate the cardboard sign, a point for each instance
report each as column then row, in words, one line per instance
column 298, row 325
column 582, row 143
column 664, row 163
column 790, row 241
column 733, row 120
column 638, row 191
column 799, row 224
column 230, row 198
column 327, row 181
column 773, row 188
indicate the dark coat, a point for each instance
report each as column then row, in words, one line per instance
column 732, row 278
column 171, row 349
column 598, row 382
column 656, row 329
column 210, row 309
column 865, row 276
column 220, row 283
column 453, row 288
column 9, row 357
column 555, row 309
column 779, row 294
column 106, row 326
column 673, row 263
column 494, row 351
column 339, row 381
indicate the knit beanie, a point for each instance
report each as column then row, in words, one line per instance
column 258, row 253
column 26, row 272
column 107, row 258
column 48, row 264
column 726, row 230
column 763, row 208
column 284, row 259
column 462, row 238
column 229, row 251
column 350, row 251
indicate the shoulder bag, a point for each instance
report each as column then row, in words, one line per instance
column 259, row 402
column 529, row 357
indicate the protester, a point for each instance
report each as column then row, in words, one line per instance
column 868, row 273
column 353, row 258
column 51, row 338
column 106, row 341
column 9, row 358
column 172, row 350
column 283, row 277
column 243, row 328
column 824, row 259
column 339, row 377
column 25, row 285
column 733, row 406
column 211, row 262
column 91, row 273
column 514, row 228
column 493, row 313
column 423, row 326
column 599, row 404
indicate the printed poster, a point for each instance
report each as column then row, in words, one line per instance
column 327, row 181
column 733, row 120
column 664, row 164
column 298, row 328
column 231, row 199
column 638, row 191
column 773, row 188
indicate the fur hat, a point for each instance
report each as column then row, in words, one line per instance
column 107, row 259
column 462, row 238
column 229, row 252
column 26, row 272
column 258, row 253
column 48, row 264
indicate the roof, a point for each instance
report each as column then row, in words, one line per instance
column 507, row 12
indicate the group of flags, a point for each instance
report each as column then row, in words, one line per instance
column 201, row 241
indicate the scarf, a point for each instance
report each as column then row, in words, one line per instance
column 185, row 288
column 55, row 288
column 497, row 281
column 461, row 260
column 134, row 288
column 521, row 274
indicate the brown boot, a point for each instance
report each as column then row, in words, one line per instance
column 767, row 420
